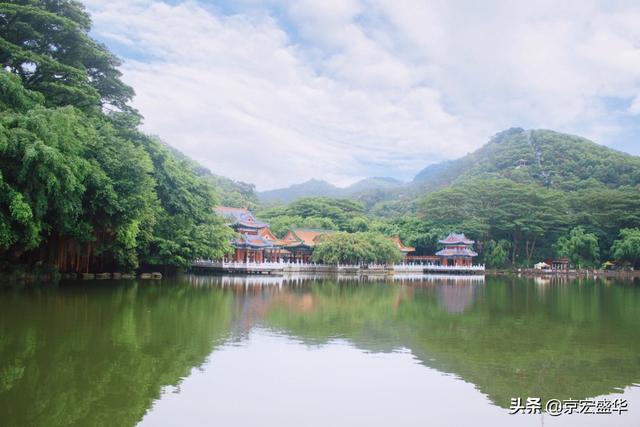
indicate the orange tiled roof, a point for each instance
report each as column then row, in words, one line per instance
column 267, row 234
column 303, row 236
column 401, row 246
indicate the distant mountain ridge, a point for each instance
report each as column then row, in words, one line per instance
column 320, row 188
column 544, row 157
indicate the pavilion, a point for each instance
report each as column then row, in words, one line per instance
column 299, row 242
column 458, row 251
column 255, row 242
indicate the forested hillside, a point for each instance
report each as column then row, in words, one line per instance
column 232, row 193
column 524, row 196
column 81, row 188
column 544, row 157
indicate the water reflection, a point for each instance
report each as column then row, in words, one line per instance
column 100, row 353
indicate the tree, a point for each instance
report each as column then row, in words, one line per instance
column 580, row 247
column 526, row 215
column 316, row 212
column 605, row 212
column 46, row 43
column 66, row 174
column 627, row 247
column 356, row 248
column 356, row 224
column 187, row 226
column 496, row 254
column 80, row 187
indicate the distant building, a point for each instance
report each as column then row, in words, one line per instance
column 541, row 266
column 457, row 251
column 406, row 250
column 255, row 242
column 299, row 243
column 561, row 264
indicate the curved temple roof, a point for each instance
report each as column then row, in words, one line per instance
column 303, row 237
column 401, row 246
column 451, row 252
column 456, row 239
column 252, row 241
column 240, row 217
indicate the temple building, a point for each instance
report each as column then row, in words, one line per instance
column 406, row 250
column 457, row 251
column 255, row 242
column 299, row 243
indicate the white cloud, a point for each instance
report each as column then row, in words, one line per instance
column 344, row 89
column 634, row 108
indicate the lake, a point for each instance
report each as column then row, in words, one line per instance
column 268, row 351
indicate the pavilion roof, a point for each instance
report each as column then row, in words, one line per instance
column 454, row 252
column 251, row 241
column 454, row 238
column 241, row 217
column 303, row 237
column 267, row 234
column 401, row 246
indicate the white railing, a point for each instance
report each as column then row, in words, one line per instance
column 282, row 265
column 435, row 267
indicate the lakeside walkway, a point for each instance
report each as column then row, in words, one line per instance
column 280, row 268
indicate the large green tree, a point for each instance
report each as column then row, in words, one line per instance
column 356, row 248
column 627, row 247
column 47, row 44
column 580, row 247
column 81, row 187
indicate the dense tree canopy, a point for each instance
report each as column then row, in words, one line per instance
column 81, row 187
column 525, row 215
column 627, row 247
column 580, row 247
column 356, row 248
column 47, row 44
column 316, row 212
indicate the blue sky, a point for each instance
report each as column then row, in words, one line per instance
column 278, row 92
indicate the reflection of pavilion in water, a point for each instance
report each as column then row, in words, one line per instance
column 255, row 296
column 455, row 298
column 253, row 281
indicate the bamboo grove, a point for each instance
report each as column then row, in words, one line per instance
column 81, row 189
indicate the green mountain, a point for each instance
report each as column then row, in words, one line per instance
column 375, row 183
column 543, row 157
column 237, row 194
column 319, row 188
column 311, row 188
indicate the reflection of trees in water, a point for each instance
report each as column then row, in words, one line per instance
column 510, row 337
column 100, row 353
column 68, row 356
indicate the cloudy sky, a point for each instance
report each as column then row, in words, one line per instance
column 278, row 92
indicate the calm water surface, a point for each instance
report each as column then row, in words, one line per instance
column 315, row 352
